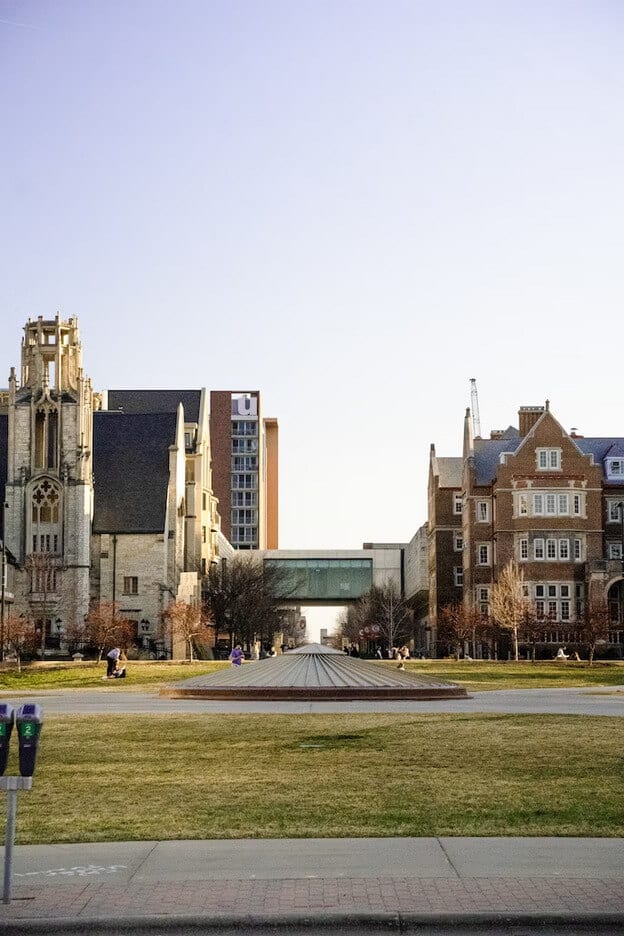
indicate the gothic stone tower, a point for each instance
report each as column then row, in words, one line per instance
column 49, row 491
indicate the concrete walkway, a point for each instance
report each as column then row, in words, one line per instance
column 397, row 882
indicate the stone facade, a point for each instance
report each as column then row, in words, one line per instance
column 140, row 531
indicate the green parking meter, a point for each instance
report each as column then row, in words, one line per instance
column 28, row 720
column 7, row 717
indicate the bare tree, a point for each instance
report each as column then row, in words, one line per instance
column 507, row 603
column 20, row 636
column 105, row 628
column 594, row 626
column 243, row 598
column 460, row 625
column 383, row 612
column 187, row 622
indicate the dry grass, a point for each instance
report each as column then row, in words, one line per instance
column 234, row 776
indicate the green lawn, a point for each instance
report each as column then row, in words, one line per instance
column 238, row 776
column 475, row 675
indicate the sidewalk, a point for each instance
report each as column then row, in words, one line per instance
column 397, row 883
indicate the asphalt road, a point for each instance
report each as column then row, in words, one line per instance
column 113, row 699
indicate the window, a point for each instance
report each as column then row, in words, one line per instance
column 565, row 610
column 484, row 593
column 458, row 542
column 244, row 481
column 564, row 591
column 615, row 510
column 524, row 549
column 244, row 516
column 552, row 591
column 523, row 506
column 130, row 585
column 548, row 459
column 244, row 498
column 539, row 591
column 244, row 427
column 615, row 467
column 483, row 554
column 539, row 608
column 457, row 503
column 538, row 548
column 576, row 504
column 578, row 550
column 244, row 463
column 483, row 511
column 552, row 610
column 615, row 551
column 564, row 549
column 203, row 534
column 551, row 504
column 538, row 504
column 459, row 576
column 563, row 505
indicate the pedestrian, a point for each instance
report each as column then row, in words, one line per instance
column 237, row 656
column 111, row 661
column 378, row 653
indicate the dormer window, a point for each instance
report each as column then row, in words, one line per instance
column 548, row 459
column 615, row 468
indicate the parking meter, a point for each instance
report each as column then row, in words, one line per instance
column 28, row 721
column 7, row 717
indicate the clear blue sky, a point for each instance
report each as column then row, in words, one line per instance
column 353, row 206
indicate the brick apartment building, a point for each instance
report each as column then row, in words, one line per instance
column 551, row 500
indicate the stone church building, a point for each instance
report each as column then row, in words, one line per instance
column 107, row 495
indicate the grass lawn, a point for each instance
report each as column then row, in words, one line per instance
column 475, row 675
column 239, row 776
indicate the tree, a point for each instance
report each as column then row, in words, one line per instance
column 507, row 603
column 20, row 636
column 594, row 626
column 243, row 597
column 383, row 608
column 460, row 625
column 187, row 622
column 105, row 628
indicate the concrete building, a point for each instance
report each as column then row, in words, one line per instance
column 549, row 499
column 245, row 468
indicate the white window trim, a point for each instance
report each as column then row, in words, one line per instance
column 478, row 505
column 486, row 547
column 548, row 458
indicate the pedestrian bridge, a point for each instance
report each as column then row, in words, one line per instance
column 336, row 576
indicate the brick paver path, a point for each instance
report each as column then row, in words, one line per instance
column 90, row 900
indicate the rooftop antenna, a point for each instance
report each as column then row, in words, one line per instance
column 474, row 405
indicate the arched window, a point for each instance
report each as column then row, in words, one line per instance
column 45, row 517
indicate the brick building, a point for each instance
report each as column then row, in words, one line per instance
column 551, row 500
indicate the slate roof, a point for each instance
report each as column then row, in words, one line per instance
column 156, row 401
column 315, row 671
column 131, row 471
column 601, row 449
column 487, row 454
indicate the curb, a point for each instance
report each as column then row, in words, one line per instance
column 557, row 922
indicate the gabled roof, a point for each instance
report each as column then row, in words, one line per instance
column 131, row 471
column 156, row 401
column 487, row 453
column 448, row 471
column 600, row 449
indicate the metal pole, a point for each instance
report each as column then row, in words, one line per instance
column 8, row 843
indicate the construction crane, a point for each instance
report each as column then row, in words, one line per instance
column 474, row 405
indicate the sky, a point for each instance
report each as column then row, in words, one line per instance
column 353, row 206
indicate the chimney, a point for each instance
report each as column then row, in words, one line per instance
column 496, row 433
column 527, row 417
